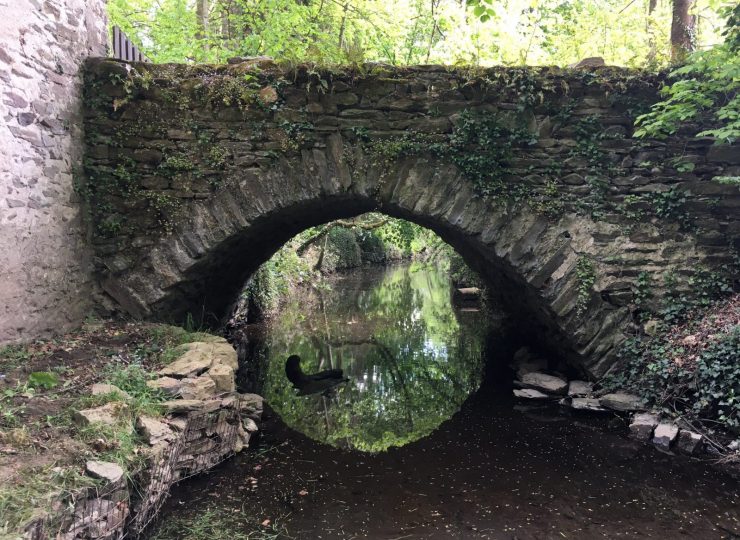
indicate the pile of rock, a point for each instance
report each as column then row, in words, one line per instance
column 535, row 382
column 665, row 435
column 205, row 422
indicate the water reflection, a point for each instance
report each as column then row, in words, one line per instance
column 410, row 359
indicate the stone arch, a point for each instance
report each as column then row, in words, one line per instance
column 248, row 168
column 529, row 259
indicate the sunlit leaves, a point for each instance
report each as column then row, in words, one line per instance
column 408, row 31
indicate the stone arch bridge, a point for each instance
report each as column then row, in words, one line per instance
column 195, row 175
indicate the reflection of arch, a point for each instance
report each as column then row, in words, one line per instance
column 529, row 260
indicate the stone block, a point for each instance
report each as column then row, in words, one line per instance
column 104, row 470
column 642, row 426
column 192, row 363
column 167, row 385
column 154, row 430
column 219, row 352
column 530, row 393
column 582, row 404
column 107, row 414
column 198, row 388
column 544, row 383
column 664, row 435
column 180, row 406
column 580, row 388
column 622, row 401
column 223, row 377
column 689, row 442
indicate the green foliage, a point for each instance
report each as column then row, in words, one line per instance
column 670, row 205
column 460, row 273
column 481, row 145
column 537, row 32
column 703, row 288
column 399, row 341
column 708, row 389
column 643, row 293
column 211, row 523
column 707, row 85
column 586, row 275
column 38, row 492
column 728, row 180
column 43, row 379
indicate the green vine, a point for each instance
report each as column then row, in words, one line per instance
column 586, row 275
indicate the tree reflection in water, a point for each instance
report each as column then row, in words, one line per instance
column 410, row 359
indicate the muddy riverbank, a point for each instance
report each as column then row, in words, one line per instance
column 496, row 470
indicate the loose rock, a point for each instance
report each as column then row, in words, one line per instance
column 530, row 393
column 168, row 385
column 199, row 388
column 664, row 435
column 190, row 405
column 223, row 377
column 104, row 470
column 191, row 363
column 642, row 426
column 689, row 442
column 582, row 404
column 545, row 383
column 107, row 414
column 622, row 401
column 153, row 430
column 98, row 389
column 580, row 388
column 218, row 352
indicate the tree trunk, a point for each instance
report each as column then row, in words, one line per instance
column 682, row 30
column 202, row 12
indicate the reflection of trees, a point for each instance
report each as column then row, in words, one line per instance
column 410, row 361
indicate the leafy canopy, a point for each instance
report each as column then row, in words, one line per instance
column 482, row 32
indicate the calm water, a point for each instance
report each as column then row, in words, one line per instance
column 497, row 469
column 410, row 359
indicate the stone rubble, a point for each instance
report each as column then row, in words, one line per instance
column 167, row 385
column 153, row 430
column 582, row 404
column 209, row 423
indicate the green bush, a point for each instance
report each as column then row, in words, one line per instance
column 707, row 388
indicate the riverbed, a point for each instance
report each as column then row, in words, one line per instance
column 411, row 448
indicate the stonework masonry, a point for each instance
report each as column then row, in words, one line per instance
column 45, row 265
column 197, row 174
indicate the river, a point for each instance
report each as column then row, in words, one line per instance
column 410, row 448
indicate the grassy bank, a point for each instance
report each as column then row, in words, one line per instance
column 42, row 384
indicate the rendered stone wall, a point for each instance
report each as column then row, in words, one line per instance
column 45, row 264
